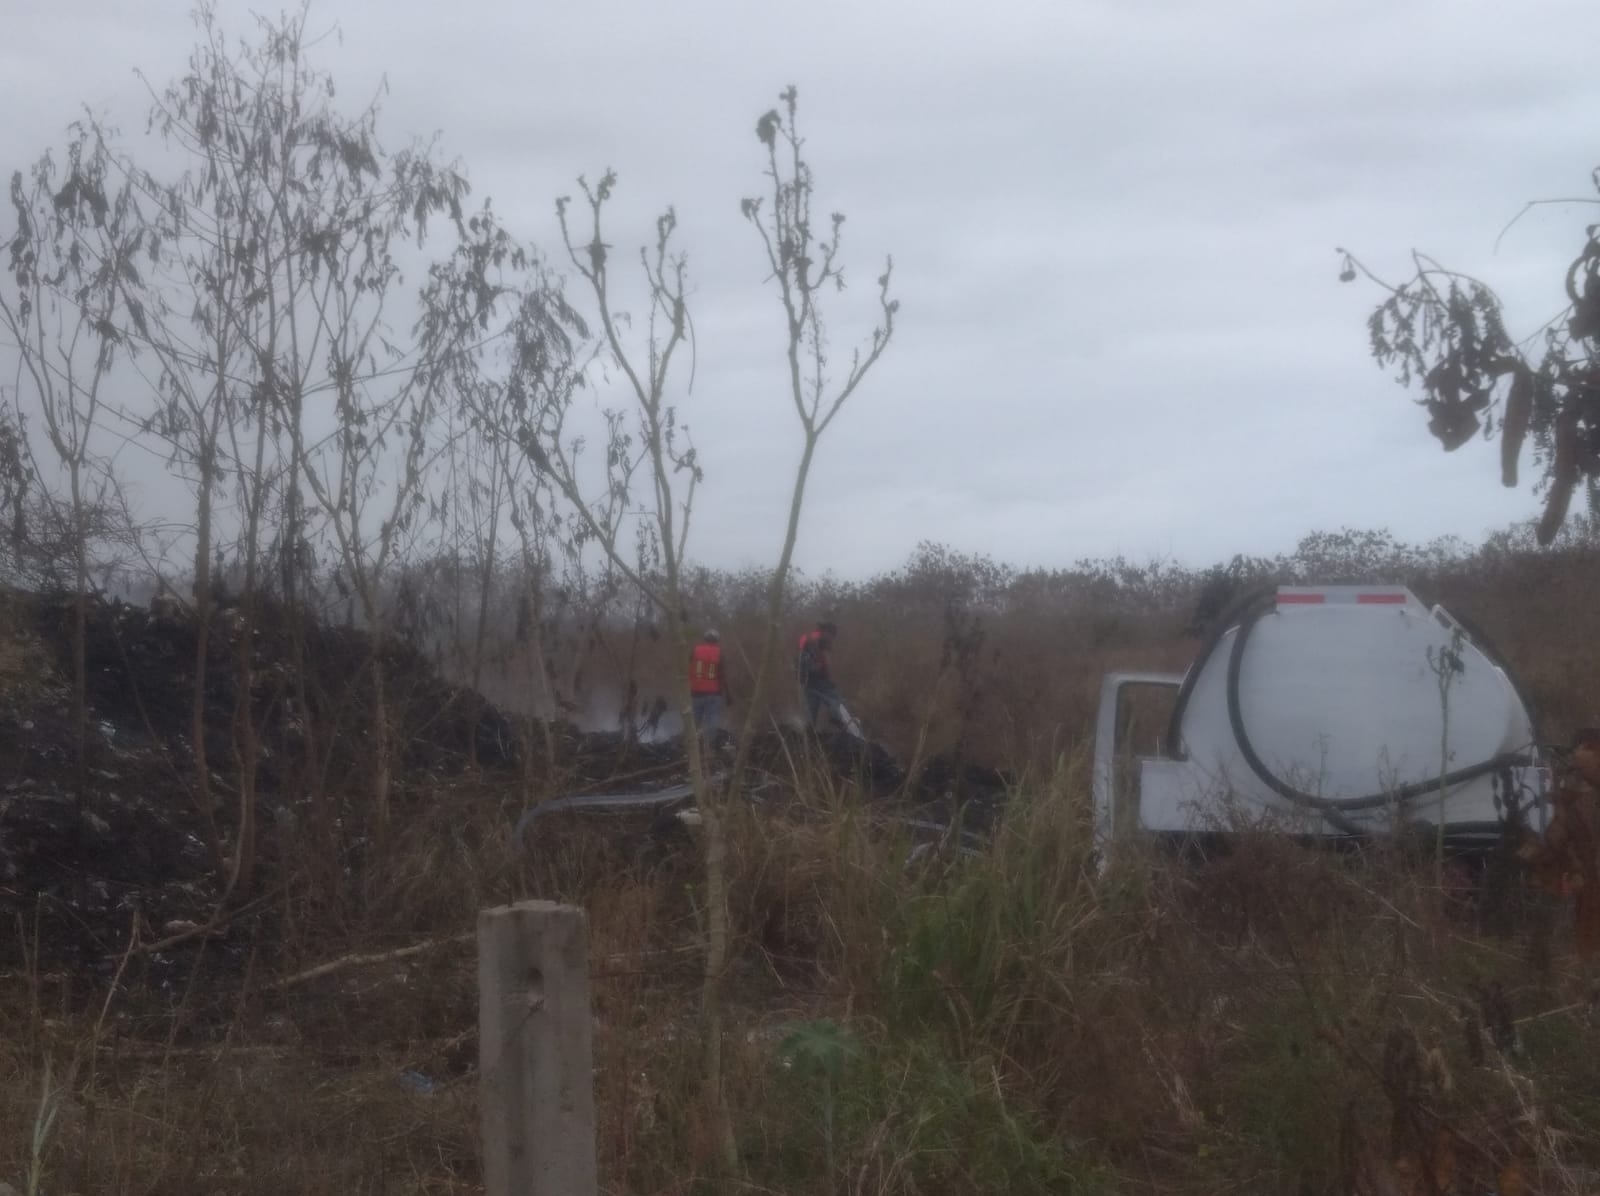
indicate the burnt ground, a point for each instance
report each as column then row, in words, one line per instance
column 90, row 851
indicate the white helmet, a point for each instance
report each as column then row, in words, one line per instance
column 712, row 636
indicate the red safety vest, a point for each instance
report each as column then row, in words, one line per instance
column 705, row 669
column 812, row 657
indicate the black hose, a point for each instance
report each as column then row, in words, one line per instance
column 1244, row 614
column 1231, row 615
column 1326, row 805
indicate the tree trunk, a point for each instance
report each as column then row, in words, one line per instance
column 248, row 752
column 246, row 739
column 80, row 620
column 480, row 633
column 197, row 712
column 324, row 848
column 542, row 671
column 713, row 828
column 380, row 745
column 776, row 593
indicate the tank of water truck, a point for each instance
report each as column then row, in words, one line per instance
column 1331, row 710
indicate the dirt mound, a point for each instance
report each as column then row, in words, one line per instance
column 140, row 673
column 85, row 849
column 88, row 851
column 82, row 851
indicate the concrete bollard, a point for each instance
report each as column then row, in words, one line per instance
column 535, row 1051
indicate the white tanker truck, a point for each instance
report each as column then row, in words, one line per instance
column 1332, row 711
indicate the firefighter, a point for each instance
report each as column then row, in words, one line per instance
column 817, row 690
column 708, row 684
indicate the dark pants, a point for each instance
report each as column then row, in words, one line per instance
column 707, row 713
column 822, row 695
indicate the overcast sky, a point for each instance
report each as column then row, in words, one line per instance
column 1113, row 226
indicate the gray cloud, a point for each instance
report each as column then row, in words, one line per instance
column 1113, row 227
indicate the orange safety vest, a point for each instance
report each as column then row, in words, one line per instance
column 705, row 669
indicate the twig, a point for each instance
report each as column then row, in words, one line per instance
column 1534, row 1017
column 142, row 1051
column 216, row 922
column 613, row 782
column 122, row 966
column 1539, row 203
column 356, row 961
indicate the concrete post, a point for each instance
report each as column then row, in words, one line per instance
column 535, row 1051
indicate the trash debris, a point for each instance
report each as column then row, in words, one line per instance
column 419, row 1083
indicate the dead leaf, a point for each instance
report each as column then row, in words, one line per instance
column 1563, row 476
column 1510, row 1182
column 1514, row 424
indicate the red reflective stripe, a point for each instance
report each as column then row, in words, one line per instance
column 1319, row 598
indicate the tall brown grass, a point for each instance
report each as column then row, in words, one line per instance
column 1266, row 1020
column 959, row 653
column 1270, row 1020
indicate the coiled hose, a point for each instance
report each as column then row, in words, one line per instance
column 1245, row 614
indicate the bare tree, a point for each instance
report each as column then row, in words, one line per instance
column 191, row 318
column 338, row 421
column 369, row 497
column 77, row 238
column 537, row 343
column 233, row 331
column 805, row 264
column 636, row 506
column 273, row 265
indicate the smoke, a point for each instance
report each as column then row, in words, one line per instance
column 654, row 719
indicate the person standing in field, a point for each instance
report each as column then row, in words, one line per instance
column 708, row 685
column 815, row 669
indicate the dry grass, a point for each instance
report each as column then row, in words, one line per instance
column 274, row 1101
column 959, row 654
column 1271, row 1020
